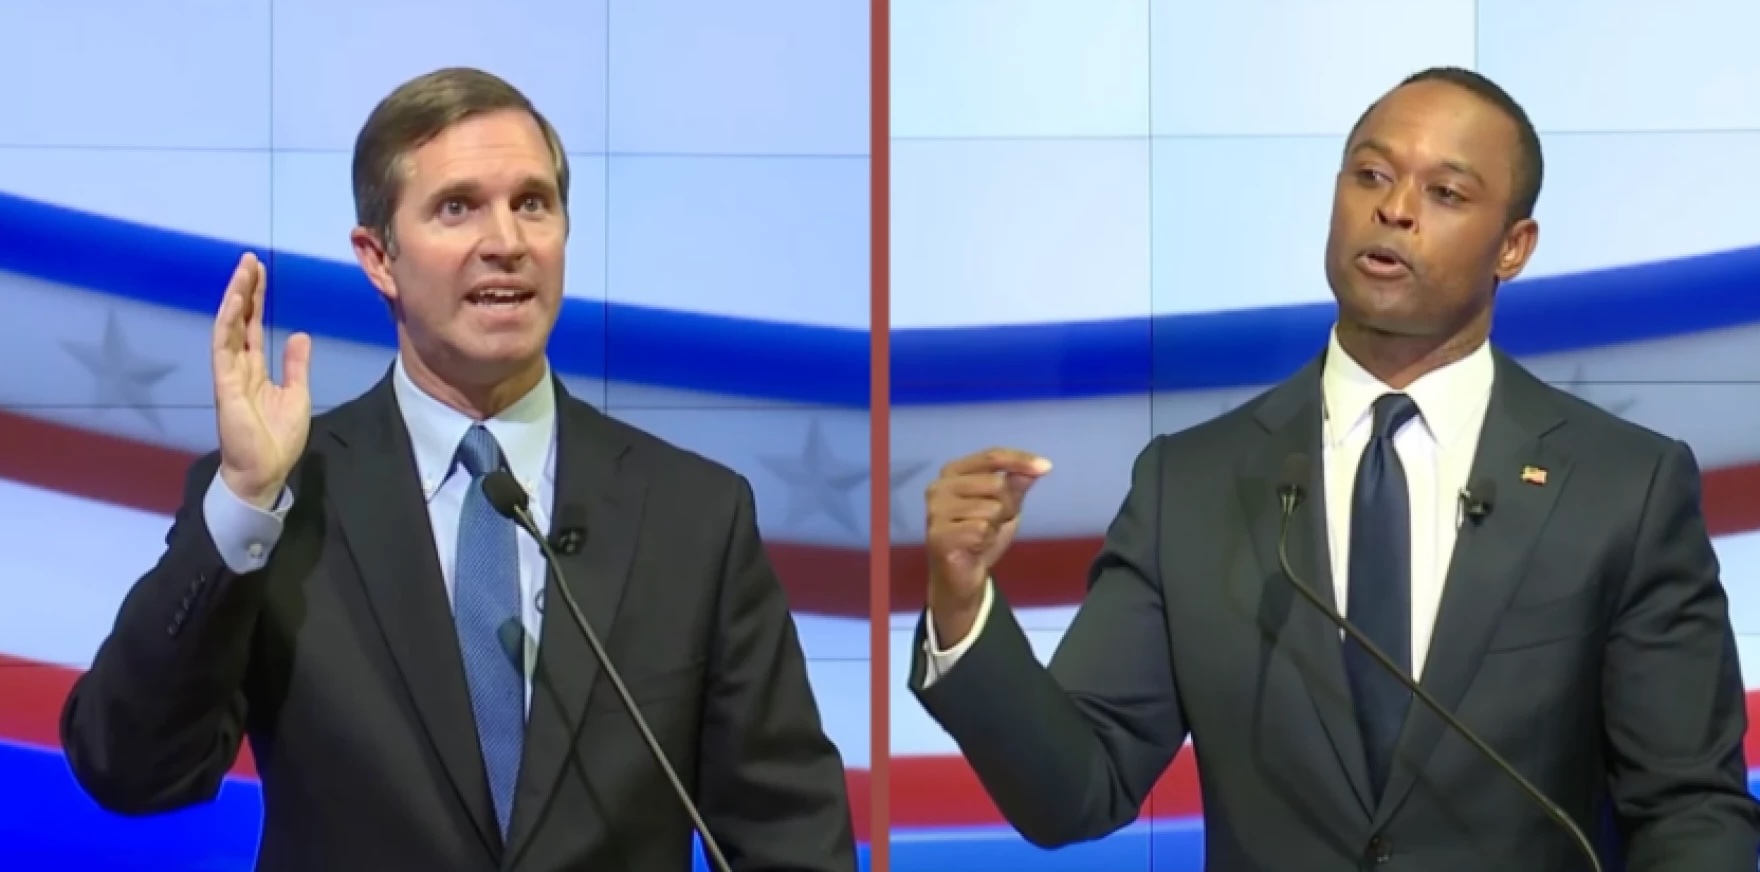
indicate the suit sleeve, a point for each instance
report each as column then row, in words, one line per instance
column 1070, row 753
column 1672, row 688
column 157, row 720
column 941, row 660
column 772, row 786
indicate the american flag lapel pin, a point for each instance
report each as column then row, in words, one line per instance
column 1534, row 475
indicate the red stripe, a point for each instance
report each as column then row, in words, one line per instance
column 821, row 580
column 1729, row 500
column 88, row 463
column 32, row 695
column 942, row 791
column 926, row 791
column 1054, row 572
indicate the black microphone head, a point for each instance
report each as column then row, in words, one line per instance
column 1484, row 493
column 569, row 532
column 504, row 493
column 1295, row 474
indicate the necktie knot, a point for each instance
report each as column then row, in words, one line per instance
column 479, row 452
column 1392, row 411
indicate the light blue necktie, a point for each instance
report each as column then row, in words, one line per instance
column 486, row 599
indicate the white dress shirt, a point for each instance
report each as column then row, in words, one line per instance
column 1436, row 448
column 526, row 433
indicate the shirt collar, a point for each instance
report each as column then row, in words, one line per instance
column 525, row 431
column 1447, row 398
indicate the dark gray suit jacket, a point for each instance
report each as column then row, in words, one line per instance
column 1583, row 633
column 339, row 663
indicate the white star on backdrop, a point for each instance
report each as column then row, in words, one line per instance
column 902, row 473
column 819, row 482
column 124, row 378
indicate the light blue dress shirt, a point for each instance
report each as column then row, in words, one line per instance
column 245, row 535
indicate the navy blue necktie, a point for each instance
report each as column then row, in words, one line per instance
column 486, row 598
column 1380, row 601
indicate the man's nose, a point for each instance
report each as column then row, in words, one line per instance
column 504, row 238
column 1397, row 208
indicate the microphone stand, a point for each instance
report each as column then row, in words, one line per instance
column 1291, row 495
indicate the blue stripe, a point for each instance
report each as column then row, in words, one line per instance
column 47, row 824
column 829, row 366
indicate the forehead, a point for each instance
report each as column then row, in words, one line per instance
column 504, row 147
column 1442, row 122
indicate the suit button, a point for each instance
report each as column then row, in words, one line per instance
column 1380, row 849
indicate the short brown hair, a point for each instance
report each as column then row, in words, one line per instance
column 419, row 110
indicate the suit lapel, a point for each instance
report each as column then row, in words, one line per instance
column 378, row 502
column 1489, row 556
column 1291, row 416
column 600, row 485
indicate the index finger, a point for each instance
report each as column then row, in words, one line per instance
column 1012, row 460
column 236, row 301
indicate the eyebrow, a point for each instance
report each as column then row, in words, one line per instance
column 1456, row 166
column 471, row 189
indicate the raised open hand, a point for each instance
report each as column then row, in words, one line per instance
column 263, row 425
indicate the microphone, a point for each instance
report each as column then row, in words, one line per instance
column 509, row 499
column 1290, row 490
column 1478, row 498
column 571, row 530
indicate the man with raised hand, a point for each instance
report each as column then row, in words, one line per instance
column 339, row 591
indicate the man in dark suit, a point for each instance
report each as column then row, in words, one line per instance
column 1577, row 623
column 338, row 591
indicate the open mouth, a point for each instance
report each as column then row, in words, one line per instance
column 499, row 298
column 1382, row 262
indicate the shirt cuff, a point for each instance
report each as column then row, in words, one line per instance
column 242, row 533
column 937, row 662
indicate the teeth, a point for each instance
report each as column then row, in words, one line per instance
column 499, row 295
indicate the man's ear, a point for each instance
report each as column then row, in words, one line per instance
column 1519, row 242
column 374, row 255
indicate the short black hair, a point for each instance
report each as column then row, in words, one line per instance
column 1530, row 167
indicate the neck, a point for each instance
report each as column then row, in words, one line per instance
column 478, row 401
column 1398, row 360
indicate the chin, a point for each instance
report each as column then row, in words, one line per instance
column 1378, row 317
column 1407, row 325
column 492, row 362
column 511, row 360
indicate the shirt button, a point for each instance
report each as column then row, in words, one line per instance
column 1380, row 850
column 255, row 551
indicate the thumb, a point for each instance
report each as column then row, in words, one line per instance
column 296, row 362
column 1018, row 483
